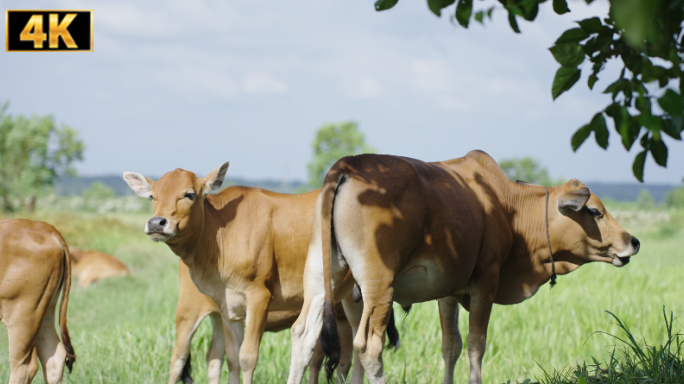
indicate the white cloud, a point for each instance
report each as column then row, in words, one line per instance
column 262, row 84
column 363, row 87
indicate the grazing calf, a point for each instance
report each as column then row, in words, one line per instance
column 245, row 248
column 458, row 231
column 91, row 266
column 193, row 307
column 34, row 264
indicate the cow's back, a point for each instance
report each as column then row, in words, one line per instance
column 425, row 220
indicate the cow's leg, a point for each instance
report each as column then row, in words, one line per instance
column 316, row 363
column 22, row 340
column 452, row 344
column 234, row 333
column 306, row 330
column 255, row 323
column 482, row 293
column 370, row 338
column 50, row 349
column 33, row 365
column 217, row 349
column 187, row 322
column 354, row 311
column 346, row 334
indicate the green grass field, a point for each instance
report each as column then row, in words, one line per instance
column 123, row 328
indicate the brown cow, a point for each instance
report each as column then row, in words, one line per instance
column 34, row 264
column 193, row 307
column 458, row 231
column 244, row 247
column 91, row 266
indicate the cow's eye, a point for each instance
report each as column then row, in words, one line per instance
column 190, row 195
column 151, row 198
column 595, row 212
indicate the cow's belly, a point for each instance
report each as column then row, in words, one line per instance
column 425, row 280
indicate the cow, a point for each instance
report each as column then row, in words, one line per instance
column 193, row 307
column 244, row 247
column 457, row 231
column 35, row 266
column 91, row 266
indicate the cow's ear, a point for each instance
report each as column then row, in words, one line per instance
column 214, row 179
column 574, row 199
column 140, row 184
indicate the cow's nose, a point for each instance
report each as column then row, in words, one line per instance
column 156, row 224
column 635, row 243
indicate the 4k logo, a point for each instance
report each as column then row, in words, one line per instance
column 59, row 30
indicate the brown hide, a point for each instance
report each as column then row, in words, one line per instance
column 35, row 265
column 91, row 266
column 458, row 231
column 245, row 248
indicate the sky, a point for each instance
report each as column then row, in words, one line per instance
column 179, row 84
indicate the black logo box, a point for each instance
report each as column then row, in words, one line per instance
column 81, row 30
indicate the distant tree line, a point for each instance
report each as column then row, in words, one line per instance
column 33, row 152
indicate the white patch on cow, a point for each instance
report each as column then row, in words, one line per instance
column 138, row 184
column 304, row 340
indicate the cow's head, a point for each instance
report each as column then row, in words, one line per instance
column 583, row 231
column 177, row 199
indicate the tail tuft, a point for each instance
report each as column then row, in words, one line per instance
column 393, row 333
column 185, row 377
column 330, row 340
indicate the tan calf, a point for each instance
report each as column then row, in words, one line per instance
column 458, row 231
column 193, row 307
column 35, row 265
column 244, row 247
column 91, row 266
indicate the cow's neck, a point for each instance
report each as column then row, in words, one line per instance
column 198, row 249
column 528, row 265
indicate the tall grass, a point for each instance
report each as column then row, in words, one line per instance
column 123, row 328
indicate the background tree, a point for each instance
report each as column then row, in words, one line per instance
column 33, row 151
column 527, row 169
column 646, row 37
column 675, row 198
column 332, row 142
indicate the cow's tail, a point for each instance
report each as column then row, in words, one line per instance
column 330, row 340
column 66, row 288
column 186, row 377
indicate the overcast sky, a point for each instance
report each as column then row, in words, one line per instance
column 192, row 84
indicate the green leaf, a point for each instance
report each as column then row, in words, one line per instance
column 479, row 16
column 560, row 6
column 574, row 35
column 673, row 127
column 437, row 5
column 513, row 22
column 620, row 85
column 598, row 125
column 592, row 80
column 579, row 137
column 659, row 152
column 672, row 103
column 652, row 123
column 638, row 166
column 592, row 25
column 382, row 5
column 464, row 10
column 625, row 125
column 581, row 380
column 568, row 54
column 529, row 9
column 565, row 78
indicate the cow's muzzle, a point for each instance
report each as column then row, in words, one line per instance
column 157, row 228
column 621, row 261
